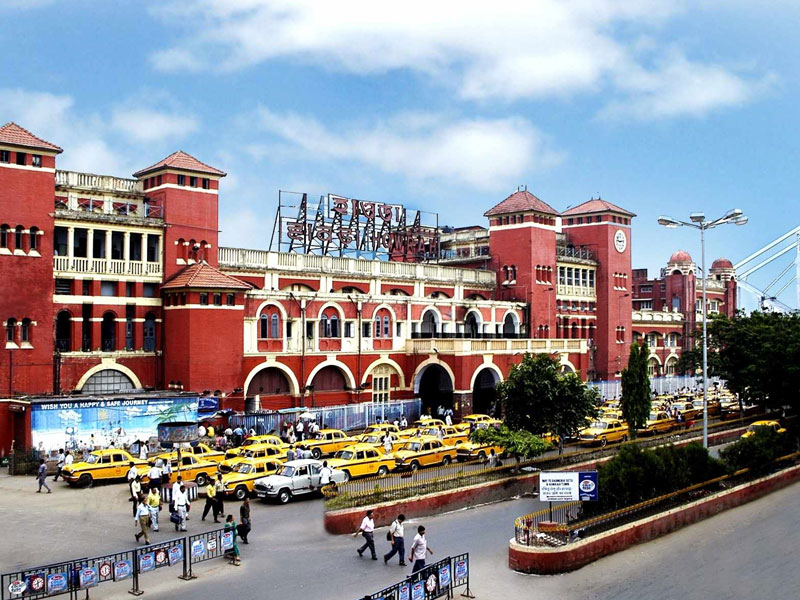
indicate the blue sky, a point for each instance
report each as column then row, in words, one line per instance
column 658, row 106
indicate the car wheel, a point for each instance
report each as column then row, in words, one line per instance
column 201, row 479
column 240, row 493
column 383, row 471
column 445, row 461
column 415, row 466
column 316, row 453
column 481, row 456
column 85, row 480
column 346, row 476
column 284, row 496
column 603, row 442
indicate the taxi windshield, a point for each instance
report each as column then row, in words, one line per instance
column 653, row 417
column 250, row 441
column 345, row 455
column 92, row 459
column 371, row 439
column 758, row 427
column 242, row 468
column 412, row 446
column 286, row 471
column 598, row 425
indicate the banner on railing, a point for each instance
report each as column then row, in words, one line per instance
column 438, row 580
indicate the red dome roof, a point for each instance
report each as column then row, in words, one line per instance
column 722, row 263
column 680, row 256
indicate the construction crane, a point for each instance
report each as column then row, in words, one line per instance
column 768, row 300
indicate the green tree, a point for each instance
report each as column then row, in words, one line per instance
column 538, row 398
column 519, row 444
column 636, row 398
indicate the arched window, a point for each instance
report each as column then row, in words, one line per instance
column 180, row 252
column 149, row 333
column 108, row 332
column 471, row 325
column 329, row 324
column 377, row 327
column 387, row 329
column 430, row 324
column 18, row 237
column 264, row 326
column 34, row 238
column 64, row 331
column 201, row 253
column 4, row 235
column 383, row 324
column 269, row 324
column 26, row 331
column 274, row 326
column 10, row 325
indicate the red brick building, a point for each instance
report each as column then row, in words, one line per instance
column 113, row 284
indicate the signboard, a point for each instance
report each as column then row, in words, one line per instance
column 175, row 555
column 227, row 540
column 587, row 486
column 404, row 592
column 105, row 570
column 462, row 569
column 444, row 576
column 418, row 591
column 56, row 583
column 87, row 577
column 177, row 431
column 36, row 583
column 147, row 562
column 17, row 587
column 198, row 548
column 161, row 557
column 123, row 569
column 567, row 486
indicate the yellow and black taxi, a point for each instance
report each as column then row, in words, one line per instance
column 253, row 451
column 657, row 422
column 327, row 441
column 240, row 481
column 191, row 468
column 423, row 452
column 475, row 451
column 199, row 451
column 359, row 460
column 267, row 438
column 376, row 441
column 686, row 410
column 603, row 432
column 450, row 434
column 468, row 421
column 101, row 465
column 382, row 428
column 757, row 426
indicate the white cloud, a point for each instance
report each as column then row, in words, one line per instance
column 510, row 50
column 482, row 153
column 148, row 125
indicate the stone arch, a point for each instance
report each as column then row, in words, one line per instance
column 386, row 361
column 510, row 323
column 567, row 366
column 434, row 322
column 434, row 383
column 387, row 307
column 112, row 366
column 350, row 381
column 483, row 383
column 335, row 305
column 473, row 323
column 294, row 386
column 277, row 305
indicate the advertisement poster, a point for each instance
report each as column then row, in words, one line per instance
column 87, row 577
column 462, row 569
column 227, row 540
column 444, row 576
column 418, row 591
column 36, row 583
column 147, row 562
column 17, row 587
column 404, row 592
column 175, row 555
column 198, row 548
column 56, row 583
column 587, row 486
column 558, row 486
column 77, row 424
column 123, row 569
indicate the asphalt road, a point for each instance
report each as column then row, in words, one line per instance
column 744, row 553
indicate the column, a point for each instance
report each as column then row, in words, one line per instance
column 159, row 255
column 70, row 245
column 108, row 250
column 126, row 251
column 144, row 254
column 76, row 326
column 90, row 246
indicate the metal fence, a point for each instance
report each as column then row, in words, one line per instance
column 440, row 580
column 660, row 385
column 345, row 417
column 527, row 527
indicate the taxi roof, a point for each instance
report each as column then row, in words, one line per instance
column 359, row 446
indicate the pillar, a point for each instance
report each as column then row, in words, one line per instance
column 126, row 251
column 70, row 245
column 108, row 250
column 76, row 328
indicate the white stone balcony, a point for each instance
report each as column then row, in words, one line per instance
column 70, row 265
column 471, row 346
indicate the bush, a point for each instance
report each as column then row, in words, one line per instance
column 757, row 452
column 635, row 475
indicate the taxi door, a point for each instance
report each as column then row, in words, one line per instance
column 119, row 465
column 301, row 482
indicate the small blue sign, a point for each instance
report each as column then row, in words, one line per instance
column 123, row 569
column 227, row 540
column 418, row 591
column 405, row 592
column 587, row 486
column 198, row 548
column 175, row 555
column 444, row 576
column 56, row 583
column 147, row 562
column 88, row 577
column 462, row 569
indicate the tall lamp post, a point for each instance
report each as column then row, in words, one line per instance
column 698, row 221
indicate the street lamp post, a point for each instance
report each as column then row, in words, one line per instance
column 698, row 221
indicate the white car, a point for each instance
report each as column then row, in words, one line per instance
column 294, row 478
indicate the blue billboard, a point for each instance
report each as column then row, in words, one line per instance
column 105, row 421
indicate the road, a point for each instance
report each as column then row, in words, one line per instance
column 743, row 553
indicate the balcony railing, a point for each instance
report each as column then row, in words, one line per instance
column 576, row 290
column 102, row 266
column 105, row 183
column 572, row 252
column 448, row 346
column 263, row 260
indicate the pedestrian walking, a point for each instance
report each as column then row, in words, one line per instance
column 403, row 422
column 419, row 549
column 325, row 474
column 366, row 529
column 141, row 519
column 59, row 463
column 176, row 487
column 396, row 536
column 41, row 475
column 211, row 502
column 166, row 470
column 299, row 430
column 181, row 500
column 143, row 450
column 135, row 487
column 219, row 489
column 153, row 502
column 290, row 454
column 154, row 475
column 387, row 443
column 244, row 520
column 230, row 525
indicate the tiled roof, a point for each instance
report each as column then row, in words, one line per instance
column 203, row 275
column 520, row 201
column 182, row 161
column 596, row 205
column 14, row 135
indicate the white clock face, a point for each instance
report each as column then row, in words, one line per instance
column 620, row 241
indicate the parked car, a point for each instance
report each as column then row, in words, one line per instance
column 361, row 459
column 424, row 452
column 192, row 468
column 101, row 465
column 267, row 438
column 474, row 451
column 242, row 479
column 657, row 422
column 199, row 451
column 687, row 410
column 376, row 441
column 452, row 436
column 602, row 432
column 382, row 428
column 253, row 451
column 758, row 425
column 328, row 441
column 294, row 478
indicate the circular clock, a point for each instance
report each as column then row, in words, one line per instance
column 620, row 241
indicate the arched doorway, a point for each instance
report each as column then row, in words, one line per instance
column 329, row 379
column 484, row 396
column 108, row 332
column 435, row 388
column 269, row 381
column 430, row 324
column 107, row 381
column 510, row 326
column 472, row 326
column 149, row 337
column 64, row 331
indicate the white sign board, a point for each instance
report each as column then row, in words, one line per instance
column 558, row 486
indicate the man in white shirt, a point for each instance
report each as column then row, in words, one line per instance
column 154, row 474
column 396, row 534
column 176, row 487
column 366, row 530
column 166, row 470
column 68, row 458
column 299, row 430
column 181, row 500
column 419, row 549
column 59, row 464
column 448, row 420
column 387, row 443
column 403, row 422
column 325, row 474
column 132, row 472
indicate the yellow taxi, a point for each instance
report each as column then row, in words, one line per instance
column 657, row 422
column 267, row 438
column 602, row 432
column 756, row 426
column 361, row 459
column 199, row 451
column 424, row 452
column 376, row 441
column 687, row 410
column 252, row 451
column 327, row 441
column 382, row 428
column 450, row 435
column 101, row 465
column 475, row 451
column 191, row 469
column 240, row 481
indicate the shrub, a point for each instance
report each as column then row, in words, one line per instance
column 757, row 452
